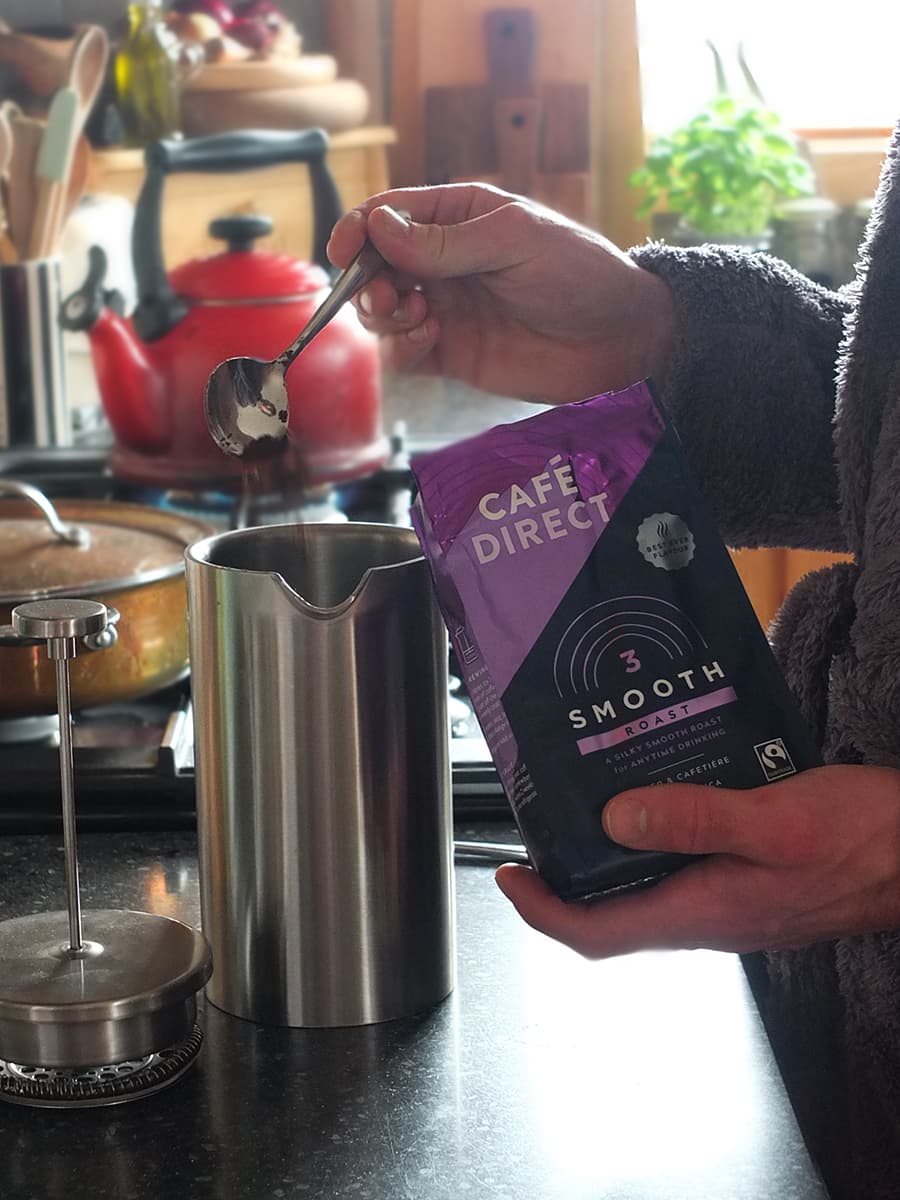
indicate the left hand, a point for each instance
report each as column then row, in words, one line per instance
column 805, row 860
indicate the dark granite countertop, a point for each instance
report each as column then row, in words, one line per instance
column 542, row 1076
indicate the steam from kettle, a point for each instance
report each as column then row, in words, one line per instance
column 246, row 398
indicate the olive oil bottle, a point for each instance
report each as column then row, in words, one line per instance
column 147, row 75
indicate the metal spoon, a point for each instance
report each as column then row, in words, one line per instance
column 246, row 398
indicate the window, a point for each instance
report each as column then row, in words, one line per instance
column 822, row 64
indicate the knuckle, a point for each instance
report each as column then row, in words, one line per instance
column 518, row 215
column 695, row 822
column 588, row 951
column 588, row 946
column 797, row 837
column 772, row 931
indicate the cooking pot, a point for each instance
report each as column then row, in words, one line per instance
column 130, row 557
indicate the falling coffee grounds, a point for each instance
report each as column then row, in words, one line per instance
column 602, row 630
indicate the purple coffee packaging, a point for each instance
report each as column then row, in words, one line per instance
column 604, row 635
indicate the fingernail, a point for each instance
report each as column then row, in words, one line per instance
column 625, row 821
column 395, row 223
column 365, row 301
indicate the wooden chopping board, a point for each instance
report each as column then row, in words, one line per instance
column 530, row 137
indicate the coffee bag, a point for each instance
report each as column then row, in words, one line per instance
column 602, row 631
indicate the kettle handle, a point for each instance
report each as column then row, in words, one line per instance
column 159, row 308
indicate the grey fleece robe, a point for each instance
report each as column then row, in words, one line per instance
column 787, row 397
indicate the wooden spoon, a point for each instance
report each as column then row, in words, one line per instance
column 78, row 178
column 6, row 142
column 27, row 134
column 87, row 66
column 7, row 249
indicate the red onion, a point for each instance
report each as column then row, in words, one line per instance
column 264, row 9
column 253, row 32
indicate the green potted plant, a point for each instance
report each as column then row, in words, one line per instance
column 723, row 174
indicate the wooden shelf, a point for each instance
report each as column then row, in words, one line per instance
column 358, row 159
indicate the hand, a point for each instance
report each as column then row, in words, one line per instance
column 804, row 860
column 504, row 294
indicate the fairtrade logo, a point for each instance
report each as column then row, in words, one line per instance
column 774, row 759
column 665, row 541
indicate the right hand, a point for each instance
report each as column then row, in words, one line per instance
column 495, row 290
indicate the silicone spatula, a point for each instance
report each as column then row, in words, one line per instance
column 52, row 170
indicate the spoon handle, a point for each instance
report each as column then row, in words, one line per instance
column 364, row 267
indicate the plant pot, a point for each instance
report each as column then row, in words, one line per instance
column 806, row 237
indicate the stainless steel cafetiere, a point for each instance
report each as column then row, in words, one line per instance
column 319, row 667
column 98, row 1007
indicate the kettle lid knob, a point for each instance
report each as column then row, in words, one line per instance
column 241, row 230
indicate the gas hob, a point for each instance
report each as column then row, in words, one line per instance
column 134, row 763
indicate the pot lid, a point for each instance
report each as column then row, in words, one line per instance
column 248, row 275
column 98, row 546
column 242, row 273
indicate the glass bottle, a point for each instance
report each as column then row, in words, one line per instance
column 147, row 75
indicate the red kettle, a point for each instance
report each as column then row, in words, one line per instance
column 152, row 368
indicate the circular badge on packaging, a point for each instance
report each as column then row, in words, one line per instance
column 665, row 541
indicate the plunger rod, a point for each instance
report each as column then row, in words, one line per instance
column 67, row 786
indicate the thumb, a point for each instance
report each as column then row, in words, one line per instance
column 693, row 819
column 473, row 246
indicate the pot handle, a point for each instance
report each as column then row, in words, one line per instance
column 71, row 535
column 159, row 308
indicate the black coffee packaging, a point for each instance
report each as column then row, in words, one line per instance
column 603, row 633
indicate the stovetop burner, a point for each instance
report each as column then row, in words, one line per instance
column 134, row 763
column 83, row 473
column 15, row 731
column 223, row 510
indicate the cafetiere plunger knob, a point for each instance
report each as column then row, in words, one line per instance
column 60, row 623
column 110, row 1018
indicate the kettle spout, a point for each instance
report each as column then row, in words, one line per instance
column 131, row 387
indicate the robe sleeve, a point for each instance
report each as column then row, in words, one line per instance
column 751, row 389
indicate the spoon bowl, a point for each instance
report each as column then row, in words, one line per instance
column 246, row 398
column 247, row 406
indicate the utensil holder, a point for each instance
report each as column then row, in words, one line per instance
column 34, row 408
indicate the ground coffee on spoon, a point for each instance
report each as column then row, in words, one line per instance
column 603, row 633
